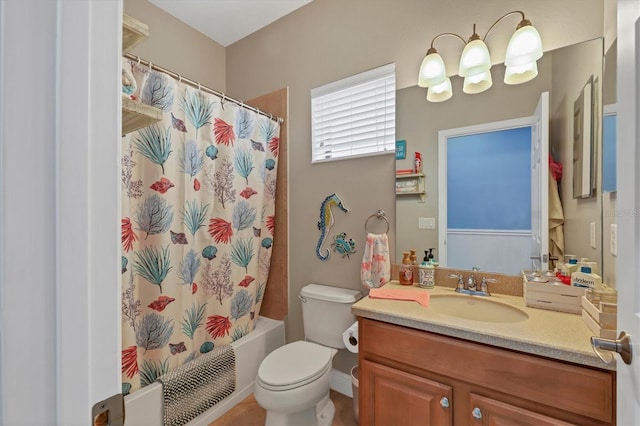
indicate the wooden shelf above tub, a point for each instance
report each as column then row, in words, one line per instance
column 133, row 32
column 136, row 115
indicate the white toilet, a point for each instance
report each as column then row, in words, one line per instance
column 293, row 380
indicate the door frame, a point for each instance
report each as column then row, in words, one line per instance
column 628, row 200
column 443, row 136
column 60, row 248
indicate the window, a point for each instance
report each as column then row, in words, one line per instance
column 355, row 116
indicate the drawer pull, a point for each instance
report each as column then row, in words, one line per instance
column 476, row 413
column 444, row 402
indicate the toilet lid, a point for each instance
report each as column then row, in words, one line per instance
column 294, row 363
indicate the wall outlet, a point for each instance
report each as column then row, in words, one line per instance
column 592, row 234
column 613, row 239
column 426, row 223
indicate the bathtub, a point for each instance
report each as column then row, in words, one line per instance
column 144, row 406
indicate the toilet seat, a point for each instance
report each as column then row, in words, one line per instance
column 294, row 365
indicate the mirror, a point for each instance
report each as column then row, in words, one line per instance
column 563, row 73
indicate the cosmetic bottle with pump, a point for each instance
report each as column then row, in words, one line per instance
column 584, row 261
column 570, row 267
column 406, row 270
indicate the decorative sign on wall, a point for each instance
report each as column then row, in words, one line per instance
column 401, row 150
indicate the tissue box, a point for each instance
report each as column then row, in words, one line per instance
column 601, row 319
column 553, row 296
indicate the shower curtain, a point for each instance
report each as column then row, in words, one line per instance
column 198, row 214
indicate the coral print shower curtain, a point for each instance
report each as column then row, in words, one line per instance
column 198, row 206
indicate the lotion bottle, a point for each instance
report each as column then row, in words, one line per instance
column 406, row 270
column 585, row 278
column 570, row 267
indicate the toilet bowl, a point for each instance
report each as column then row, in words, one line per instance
column 293, row 385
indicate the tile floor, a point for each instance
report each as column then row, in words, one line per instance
column 249, row 413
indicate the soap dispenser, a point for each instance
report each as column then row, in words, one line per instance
column 428, row 256
column 406, row 270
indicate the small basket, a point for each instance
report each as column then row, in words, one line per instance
column 553, row 296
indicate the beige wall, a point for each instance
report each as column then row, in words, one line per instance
column 571, row 70
column 330, row 39
column 177, row 47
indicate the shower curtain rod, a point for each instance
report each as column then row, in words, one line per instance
column 192, row 83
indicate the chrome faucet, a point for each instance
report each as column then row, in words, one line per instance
column 471, row 283
column 472, row 287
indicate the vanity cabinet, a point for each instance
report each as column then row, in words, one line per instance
column 422, row 401
column 412, row 377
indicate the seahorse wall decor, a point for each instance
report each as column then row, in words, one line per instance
column 326, row 221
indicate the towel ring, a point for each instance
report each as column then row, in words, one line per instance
column 378, row 215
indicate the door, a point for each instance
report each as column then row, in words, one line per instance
column 59, row 219
column 394, row 397
column 489, row 411
column 628, row 219
column 540, row 183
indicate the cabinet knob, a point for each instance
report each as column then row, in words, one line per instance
column 476, row 413
column 444, row 402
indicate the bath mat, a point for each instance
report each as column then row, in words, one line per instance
column 198, row 385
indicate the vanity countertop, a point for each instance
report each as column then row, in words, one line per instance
column 551, row 334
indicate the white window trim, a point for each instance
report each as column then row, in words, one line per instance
column 381, row 144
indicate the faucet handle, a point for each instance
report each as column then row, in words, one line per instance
column 483, row 285
column 460, row 281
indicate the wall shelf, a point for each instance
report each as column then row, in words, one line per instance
column 135, row 115
column 133, row 32
column 411, row 184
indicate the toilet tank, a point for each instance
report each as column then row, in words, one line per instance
column 326, row 313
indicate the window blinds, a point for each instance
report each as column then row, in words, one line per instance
column 354, row 117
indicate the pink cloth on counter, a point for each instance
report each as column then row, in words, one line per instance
column 420, row 296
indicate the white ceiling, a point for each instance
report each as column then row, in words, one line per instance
column 227, row 21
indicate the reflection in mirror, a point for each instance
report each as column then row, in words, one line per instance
column 609, row 167
column 563, row 74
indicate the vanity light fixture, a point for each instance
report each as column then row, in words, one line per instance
column 523, row 51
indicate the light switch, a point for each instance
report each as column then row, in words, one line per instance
column 426, row 223
column 592, row 234
column 613, row 239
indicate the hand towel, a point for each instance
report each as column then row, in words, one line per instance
column 420, row 296
column 375, row 270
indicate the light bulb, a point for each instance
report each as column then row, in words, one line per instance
column 475, row 58
column 520, row 74
column 477, row 83
column 432, row 70
column 524, row 47
column 440, row 92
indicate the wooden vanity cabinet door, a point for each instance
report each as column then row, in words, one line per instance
column 490, row 412
column 393, row 397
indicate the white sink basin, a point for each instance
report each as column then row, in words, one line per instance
column 476, row 308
